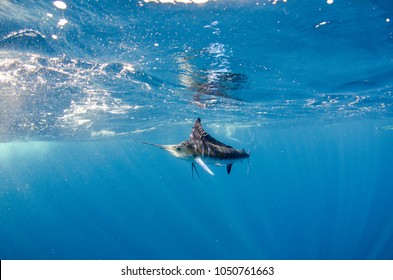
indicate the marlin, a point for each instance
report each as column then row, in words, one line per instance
column 204, row 149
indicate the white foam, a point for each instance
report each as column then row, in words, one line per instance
column 60, row 5
column 62, row 22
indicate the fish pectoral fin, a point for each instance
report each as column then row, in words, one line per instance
column 229, row 168
column 203, row 165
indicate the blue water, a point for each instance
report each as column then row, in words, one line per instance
column 306, row 85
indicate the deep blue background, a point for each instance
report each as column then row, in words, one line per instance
column 311, row 193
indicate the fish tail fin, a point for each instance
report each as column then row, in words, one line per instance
column 249, row 154
column 251, row 145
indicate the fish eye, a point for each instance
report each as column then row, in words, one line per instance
column 178, row 148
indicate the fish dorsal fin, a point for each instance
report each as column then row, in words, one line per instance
column 199, row 134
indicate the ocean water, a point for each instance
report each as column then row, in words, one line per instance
column 306, row 86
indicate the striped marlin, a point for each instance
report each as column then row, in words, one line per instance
column 204, row 149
